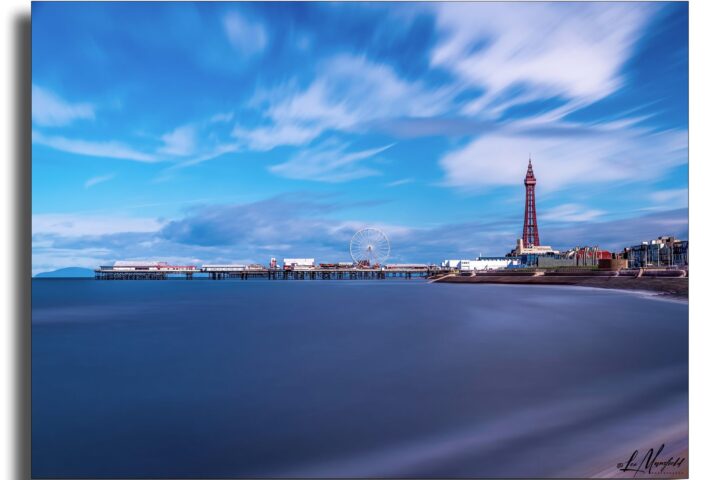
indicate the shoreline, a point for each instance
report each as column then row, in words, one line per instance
column 668, row 288
column 671, row 287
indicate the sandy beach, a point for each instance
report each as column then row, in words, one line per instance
column 674, row 287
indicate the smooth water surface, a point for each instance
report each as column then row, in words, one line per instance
column 350, row 378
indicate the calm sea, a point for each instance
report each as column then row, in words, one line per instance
column 350, row 379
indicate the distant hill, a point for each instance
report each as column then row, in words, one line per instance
column 69, row 272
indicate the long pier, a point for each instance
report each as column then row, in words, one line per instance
column 269, row 274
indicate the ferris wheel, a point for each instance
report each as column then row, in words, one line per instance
column 369, row 247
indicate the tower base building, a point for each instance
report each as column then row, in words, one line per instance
column 521, row 249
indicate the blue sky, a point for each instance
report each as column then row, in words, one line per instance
column 236, row 132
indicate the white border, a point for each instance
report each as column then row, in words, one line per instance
column 704, row 235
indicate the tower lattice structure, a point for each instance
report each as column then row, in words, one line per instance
column 531, row 236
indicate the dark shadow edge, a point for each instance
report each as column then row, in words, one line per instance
column 21, row 169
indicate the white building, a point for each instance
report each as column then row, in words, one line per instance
column 481, row 264
column 131, row 265
column 451, row 264
column 298, row 263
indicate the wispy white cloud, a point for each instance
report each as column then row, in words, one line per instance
column 49, row 110
column 402, row 181
column 75, row 225
column 559, row 159
column 347, row 94
column 199, row 142
column 542, row 50
column 267, row 138
column 570, row 212
column 99, row 179
column 186, row 145
column 223, row 117
column 109, row 149
column 215, row 152
column 676, row 197
column 329, row 162
column 180, row 141
column 246, row 36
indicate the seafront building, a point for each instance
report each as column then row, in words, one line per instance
column 481, row 264
column 576, row 257
column 662, row 252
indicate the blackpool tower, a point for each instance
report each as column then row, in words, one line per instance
column 531, row 236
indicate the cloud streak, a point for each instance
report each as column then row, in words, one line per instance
column 90, row 182
column 109, row 149
column 570, row 212
column 330, row 162
column 78, row 225
column 49, row 110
